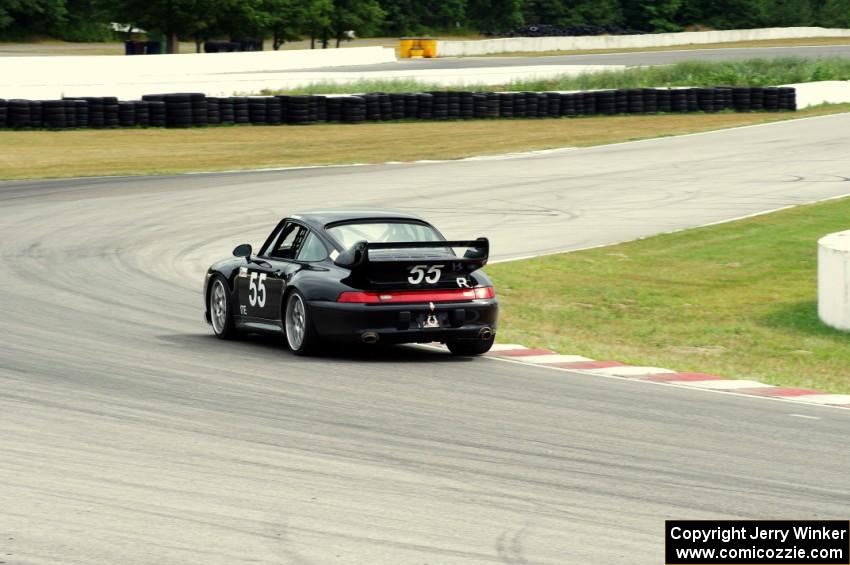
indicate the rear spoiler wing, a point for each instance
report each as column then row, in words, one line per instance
column 475, row 257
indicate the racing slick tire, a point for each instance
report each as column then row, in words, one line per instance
column 301, row 337
column 221, row 309
column 470, row 347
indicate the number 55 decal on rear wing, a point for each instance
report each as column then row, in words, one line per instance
column 416, row 263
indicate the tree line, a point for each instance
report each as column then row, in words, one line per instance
column 327, row 22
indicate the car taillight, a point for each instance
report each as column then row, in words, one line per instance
column 404, row 296
column 485, row 292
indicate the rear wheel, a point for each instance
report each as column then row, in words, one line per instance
column 298, row 325
column 221, row 310
column 470, row 347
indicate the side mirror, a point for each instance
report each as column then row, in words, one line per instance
column 353, row 256
column 243, row 250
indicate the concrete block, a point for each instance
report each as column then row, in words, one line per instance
column 834, row 280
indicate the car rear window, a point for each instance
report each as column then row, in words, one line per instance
column 382, row 232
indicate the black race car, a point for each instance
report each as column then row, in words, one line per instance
column 370, row 277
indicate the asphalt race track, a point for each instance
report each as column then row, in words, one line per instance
column 130, row 435
column 629, row 59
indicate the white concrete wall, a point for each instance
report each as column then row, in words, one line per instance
column 519, row 44
column 822, row 92
column 834, row 280
column 52, row 77
column 228, row 84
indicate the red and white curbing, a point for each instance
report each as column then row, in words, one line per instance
column 547, row 358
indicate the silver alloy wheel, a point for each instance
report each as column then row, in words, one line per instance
column 218, row 307
column 296, row 321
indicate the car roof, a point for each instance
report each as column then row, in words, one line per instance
column 320, row 218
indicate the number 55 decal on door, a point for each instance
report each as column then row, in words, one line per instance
column 257, row 289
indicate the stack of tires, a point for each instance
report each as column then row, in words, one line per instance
column 178, row 108
column 257, row 109
column 373, row 107
column 142, row 113
column 353, row 109
column 606, row 102
column 385, row 106
column 520, row 106
column 318, row 109
column 126, row 114
column 425, row 106
column 198, row 104
column 241, row 111
column 439, row 105
column 333, row 109
column 18, row 113
column 411, row 104
column 273, row 111
column 506, row 105
column 36, row 114
column 787, row 98
column 183, row 110
column 226, row 111
column 54, row 114
column 397, row 111
column 110, row 111
column 213, row 111
column 157, row 113
column 298, row 110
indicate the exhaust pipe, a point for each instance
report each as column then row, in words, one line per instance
column 485, row 333
column 369, row 337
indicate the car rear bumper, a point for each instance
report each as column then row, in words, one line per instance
column 404, row 323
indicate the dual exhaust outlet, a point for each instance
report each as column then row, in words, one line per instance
column 372, row 337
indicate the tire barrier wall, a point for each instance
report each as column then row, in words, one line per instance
column 521, row 44
column 192, row 110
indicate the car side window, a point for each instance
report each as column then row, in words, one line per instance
column 312, row 249
column 287, row 243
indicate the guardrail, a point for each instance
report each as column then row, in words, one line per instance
column 183, row 110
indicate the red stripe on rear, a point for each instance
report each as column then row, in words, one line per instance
column 410, row 296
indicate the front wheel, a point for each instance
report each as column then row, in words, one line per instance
column 221, row 310
column 300, row 335
column 470, row 347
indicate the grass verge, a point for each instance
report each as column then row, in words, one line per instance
column 744, row 72
column 46, row 154
column 737, row 299
column 797, row 42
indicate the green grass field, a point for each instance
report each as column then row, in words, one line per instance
column 737, row 300
column 745, row 72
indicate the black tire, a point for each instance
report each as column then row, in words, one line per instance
column 225, row 329
column 309, row 343
column 470, row 347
